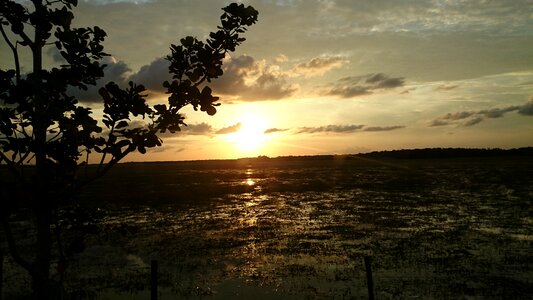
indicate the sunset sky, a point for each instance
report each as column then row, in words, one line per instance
column 335, row 76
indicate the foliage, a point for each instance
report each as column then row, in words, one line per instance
column 43, row 125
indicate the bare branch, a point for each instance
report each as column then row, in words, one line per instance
column 15, row 53
column 108, row 166
column 22, row 159
column 102, row 160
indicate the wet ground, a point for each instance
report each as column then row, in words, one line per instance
column 434, row 229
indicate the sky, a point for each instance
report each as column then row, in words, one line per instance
column 334, row 76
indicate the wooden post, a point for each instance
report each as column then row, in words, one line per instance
column 369, row 281
column 153, row 281
column 1, row 272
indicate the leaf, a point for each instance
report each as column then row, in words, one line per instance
column 160, row 108
column 121, row 124
column 211, row 110
column 123, row 143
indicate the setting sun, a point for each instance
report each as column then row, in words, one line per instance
column 251, row 133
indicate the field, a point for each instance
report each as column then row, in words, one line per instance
column 299, row 229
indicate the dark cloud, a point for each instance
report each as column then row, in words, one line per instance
column 348, row 91
column 438, row 122
column 56, row 56
column 526, row 109
column 197, row 129
column 229, row 129
column 498, row 112
column 375, row 78
column 385, row 128
column 116, row 71
column 320, row 65
column 475, row 117
column 347, row 128
column 458, row 115
column 249, row 80
column 153, row 75
column 473, row 121
column 390, row 83
column 353, row 86
column 331, row 128
column 190, row 129
column 273, row 130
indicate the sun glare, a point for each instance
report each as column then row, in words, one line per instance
column 251, row 135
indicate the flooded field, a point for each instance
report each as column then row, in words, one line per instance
column 274, row 229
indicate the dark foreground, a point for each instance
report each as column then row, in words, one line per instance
column 299, row 229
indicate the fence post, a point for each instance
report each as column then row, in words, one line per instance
column 153, row 281
column 369, row 281
column 1, row 272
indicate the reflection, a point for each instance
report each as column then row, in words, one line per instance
column 249, row 175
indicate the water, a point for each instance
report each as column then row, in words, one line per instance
column 442, row 229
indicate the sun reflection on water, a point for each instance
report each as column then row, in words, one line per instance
column 249, row 175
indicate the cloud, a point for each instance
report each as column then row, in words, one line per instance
column 197, row 129
column 385, row 128
column 482, row 16
column 346, row 129
column 458, row 115
column 229, row 129
column 438, row 122
column 281, row 58
column 56, row 56
column 320, row 65
column 498, row 112
column 445, row 87
column 472, row 118
column 245, row 79
column 274, row 130
column 353, row 86
column 106, row 2
column 526, row 109
column 190, row 129
column 473, row 121
column 330, row 128
column 153, row 75
column 116, row 71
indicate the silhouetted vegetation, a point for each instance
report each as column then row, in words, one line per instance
column 426, row 153
column 448, row 153
column 42, row 124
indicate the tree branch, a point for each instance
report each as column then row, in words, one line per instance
column 10, row 165
column 106, row 169
column 15, row 53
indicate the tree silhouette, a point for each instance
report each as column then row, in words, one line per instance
column 46, row 135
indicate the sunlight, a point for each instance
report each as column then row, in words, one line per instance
column 251, row 134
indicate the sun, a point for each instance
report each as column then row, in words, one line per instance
column 251, row 135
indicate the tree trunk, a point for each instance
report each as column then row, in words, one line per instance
column 41, row 266
column 42, row 212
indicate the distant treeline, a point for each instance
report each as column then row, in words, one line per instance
column 413, row 154
column 448, row 153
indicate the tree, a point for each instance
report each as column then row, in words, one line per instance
column 46, row 135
